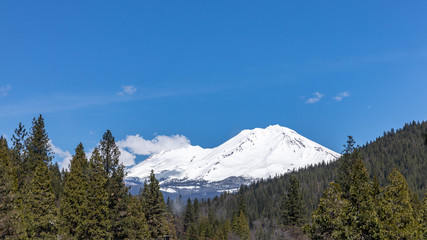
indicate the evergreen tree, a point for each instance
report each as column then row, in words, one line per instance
column 97, row 223
column 5, row 159
column 38, row 210
column 196, row 207
column 361, row 214
column 110, row 154
column 191, row 233
column 396, row 213
column 239, row 224
column 189, row 215
column 116, row 187
column 74, row 205
column 292, row 207
column 328, row 220
column 17, row 154
column 350, row 154
column 136, row 226
column 7, row 206
column 154, row 208
column 40, row 216
column 56, row 180
column 37, row 147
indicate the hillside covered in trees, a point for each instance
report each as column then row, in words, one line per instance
column 376, row 191
column 403, row 150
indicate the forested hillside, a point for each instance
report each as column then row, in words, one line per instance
column 403, row 149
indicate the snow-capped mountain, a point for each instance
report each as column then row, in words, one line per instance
column 252, row 154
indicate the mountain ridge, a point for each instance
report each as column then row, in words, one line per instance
column 252, row 154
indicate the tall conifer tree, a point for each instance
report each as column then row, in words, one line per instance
column 396, row 211
column 239, row 223
column 116, row 187
column 74, row 206
column 328, row 220
column 293, row 207
column 7, row 195
column 56, row 180
column 154, row 208
column 189, row 215
column 17, row 154
column 136, row 226
column 37, row 147
column 361, row 214
column 98, row 223
column 39, row 213
column 346, row 162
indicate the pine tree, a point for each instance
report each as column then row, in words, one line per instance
column 196, row 207
column 350, row 155
column 37, row 147
column 56, row 180
column 116, row 187
column 38, row 210
column 17, row 155
column 154, row 208
column 136, row 226
column 293, row 208
column 328, row 220
column 189, row 215
column 361, row 214
column 40, row 216
column 7, row 195
column 97, row 223
column 110, row 153
column 74, row 206
column 396, row 213
column 239, row 223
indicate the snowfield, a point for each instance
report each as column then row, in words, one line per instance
column 252, row 154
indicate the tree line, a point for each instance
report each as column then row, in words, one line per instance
column 88, row 201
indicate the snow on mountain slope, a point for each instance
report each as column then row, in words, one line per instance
column 252, row 154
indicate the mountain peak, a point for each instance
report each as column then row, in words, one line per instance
column 252, row 154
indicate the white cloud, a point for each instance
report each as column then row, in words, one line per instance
column 4, row 90
column 315, row 99
column 128, row 90
column 65, row 156
column 140, row 146
column 341, row 96
column 127, row 158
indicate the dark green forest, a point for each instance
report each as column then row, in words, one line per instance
column 376, row 191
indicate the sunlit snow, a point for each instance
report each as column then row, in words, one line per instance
column 257, row 153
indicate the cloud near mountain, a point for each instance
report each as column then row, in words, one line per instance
column 136, row 145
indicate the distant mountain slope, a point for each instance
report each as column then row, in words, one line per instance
column 403, row 149
column 252, row 154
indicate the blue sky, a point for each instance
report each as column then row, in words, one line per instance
column 207, row 70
